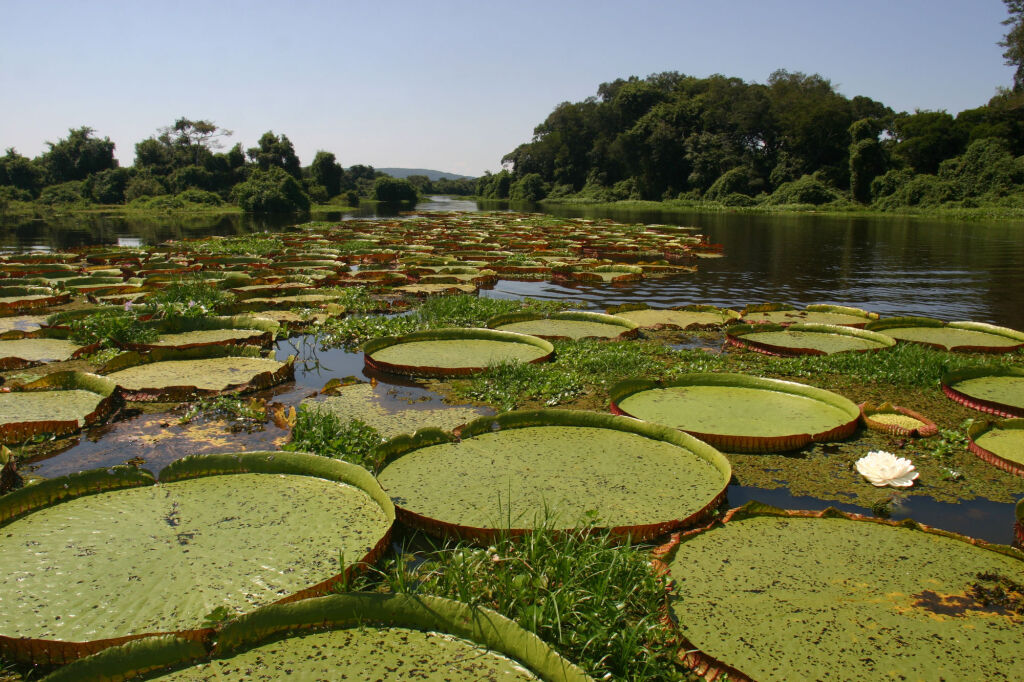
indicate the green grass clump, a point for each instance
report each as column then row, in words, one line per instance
column 249, row 244
column 597, row 604
column 582, row 367
column 190, row 297
column 111, row 327
column 327, row 435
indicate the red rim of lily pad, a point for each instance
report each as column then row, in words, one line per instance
column 737, row 336
column 980, row 428
column 111, row 400
column 710, row 668
column 927, row 429
column 740, row 443
column 405, row 444
column 53, row 491
column 447, row 334
column 993, row 407
column 15, row 307
column 729, row 317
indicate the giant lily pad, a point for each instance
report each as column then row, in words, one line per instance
column 452, row 352
column 817, row 313
column 363, row 402
column 996, row 390
column 896, row 420
column 806, row 339
column 683, row 317
column 59, row 403
column 34, row 349
column 175, row 375
column 357, row 636
column 195, row 332
column 800, row 595
column 738, row 412
column 508, row 472
column 954, row 336
column 1000, row 443
column 119, row 556
column 566, row 325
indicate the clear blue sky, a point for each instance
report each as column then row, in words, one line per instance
column 451, row 85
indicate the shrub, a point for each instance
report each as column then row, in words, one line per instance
column 919, row 190
column 325, row 434
column 200, row 196
column 530, row 187
column 739, row 180
column 143, row 185
column 111, row 327
column 394, row 190
column 270, row 191
column 805, row 190
column 71, row 192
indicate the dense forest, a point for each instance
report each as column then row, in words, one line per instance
column 792, row 140
column 181, row 167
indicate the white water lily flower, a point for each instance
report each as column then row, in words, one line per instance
column 884, row 468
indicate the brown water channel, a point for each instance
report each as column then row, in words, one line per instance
column 893, row 266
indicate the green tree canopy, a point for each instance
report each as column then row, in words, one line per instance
column 327, row 172
column 393, row 190
column 1013, row 41
column 274, row 150
column 78, row 155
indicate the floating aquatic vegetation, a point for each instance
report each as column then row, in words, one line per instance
column 59, row 403
column 739, row 412
column 773, row 595
column 996, row 390
column 896, row 420
column 566, row 325
column 452, row 351
column 1000, row 443
column 806, row 339
column 515, row 469
column 954, row 336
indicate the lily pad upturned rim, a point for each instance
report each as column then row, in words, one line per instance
column 736, row 333
column 111, row 400
column 711, row 668
column 181, row 393
column 26, row 500
column 980, row 428
column 951, row 379
column 404, row 444
column 844, row 310
column 263, row 330
column 623, row 389
column 14, row 307
column 447, row 334
column 729, row 316
column 927, row 429
column 475, row 624
column 896, row 322
column 630, row 329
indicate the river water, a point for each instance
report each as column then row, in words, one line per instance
column 892, row 266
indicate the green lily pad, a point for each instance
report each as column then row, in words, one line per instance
column 806, row 339
column 738, row 412
column 171, row 375
column 363, row 402
column 685, row 317
column 18, row 353
column 955, row 336
column 998, row 391
column 218, row 531
column 1000, row 443
column 343, row 636
column 452, row 352
column 58, row 403
column 22, row 323
column 784, row 597
column 567, row 325
column 513, row 469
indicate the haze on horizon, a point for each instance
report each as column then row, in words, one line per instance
column 452, row 85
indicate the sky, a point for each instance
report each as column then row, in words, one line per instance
column 451, row 85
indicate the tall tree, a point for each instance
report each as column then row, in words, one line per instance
column 1013, row 41
column 78, row 156
column 196, row 138
column 276, row 151
column 327, row 172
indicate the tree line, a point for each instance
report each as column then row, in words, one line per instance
column 791, row 140
column 182, row 165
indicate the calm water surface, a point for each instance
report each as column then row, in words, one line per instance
column 892, row 266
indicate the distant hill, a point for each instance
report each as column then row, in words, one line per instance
column 432, row 174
